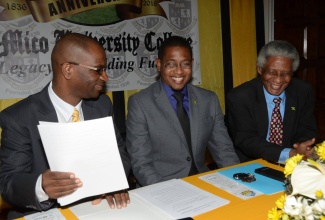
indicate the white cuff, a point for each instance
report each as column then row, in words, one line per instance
column 40, row 194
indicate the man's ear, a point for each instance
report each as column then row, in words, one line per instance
column 259, row 70
column 158, row 63
column 66, row 70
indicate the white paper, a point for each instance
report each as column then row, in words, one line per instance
column 136, row 210
column 89, row 150
column 231, row 186
column 180, row 199
column 52, row 214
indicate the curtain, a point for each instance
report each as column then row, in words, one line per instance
column 243, row 40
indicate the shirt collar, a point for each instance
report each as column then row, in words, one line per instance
column 269, row 98
column 170, row 91
column 62, row 107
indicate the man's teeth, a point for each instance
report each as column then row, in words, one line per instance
column 177, row 78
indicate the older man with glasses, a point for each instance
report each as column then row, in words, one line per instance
column 271, row 116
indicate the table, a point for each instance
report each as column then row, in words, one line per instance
column 254, row 208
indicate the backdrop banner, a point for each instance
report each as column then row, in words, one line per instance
column 130, row 31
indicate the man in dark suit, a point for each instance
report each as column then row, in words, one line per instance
column 79, row 76
column 156, row 142
column 250, row 108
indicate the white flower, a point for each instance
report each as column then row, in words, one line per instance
column 306, row 179
column 319, row 206
column 292, row 206
column 308, row 212
column 306, row 182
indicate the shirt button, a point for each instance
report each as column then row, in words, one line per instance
column 188, row 159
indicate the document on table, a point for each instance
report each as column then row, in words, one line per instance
column 89, row 150
column 231, row 186
column 52, row 214
column 179, row 199
column 223, row 179
column 263, row 184
column 136, row 210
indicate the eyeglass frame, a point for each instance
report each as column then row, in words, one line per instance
column 98, row 70
column 272, row 73
column 176, row 65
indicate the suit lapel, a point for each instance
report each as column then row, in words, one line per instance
column 46, row 109
column 163, row 102
column 261, row 110
column 194, row 116
column 88, row 111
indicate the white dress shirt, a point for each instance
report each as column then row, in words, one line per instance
column 64, row 113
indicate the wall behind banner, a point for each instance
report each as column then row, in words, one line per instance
column 211, row 52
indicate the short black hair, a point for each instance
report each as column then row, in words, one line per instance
column 174, row 41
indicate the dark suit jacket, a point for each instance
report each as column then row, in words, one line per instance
column 155, row 140
column 22, row 155
column 248, row 119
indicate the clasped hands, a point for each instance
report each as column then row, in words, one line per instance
column 303, row 148
column 58, row 184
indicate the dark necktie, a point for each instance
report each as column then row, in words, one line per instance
column 276, row 126
column 185, row 123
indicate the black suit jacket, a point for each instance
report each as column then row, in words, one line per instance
column 248, row 119
column 22, row 155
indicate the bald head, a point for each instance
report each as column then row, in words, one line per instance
column 70, row 48
column 75, row 58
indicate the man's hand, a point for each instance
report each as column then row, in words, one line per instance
column 304, row 148
column 121, row 199
column 58, row 184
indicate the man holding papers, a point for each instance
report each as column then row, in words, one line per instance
column 79, row 76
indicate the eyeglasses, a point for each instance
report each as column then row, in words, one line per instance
column 275, row 73
column 185, row 65
column 98, row 70
column 245, row 177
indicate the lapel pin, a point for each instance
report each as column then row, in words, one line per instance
column 293, row 108
column 194, row 101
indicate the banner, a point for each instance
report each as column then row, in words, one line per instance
column 130, row 31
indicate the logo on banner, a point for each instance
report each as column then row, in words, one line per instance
column 145, row 24
column 180, row 17
column 25, row 69
column 146, row 70
column 118, row 67
column 180, row 14
column 20, row 65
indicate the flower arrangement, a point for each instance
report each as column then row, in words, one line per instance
column 304, row 197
